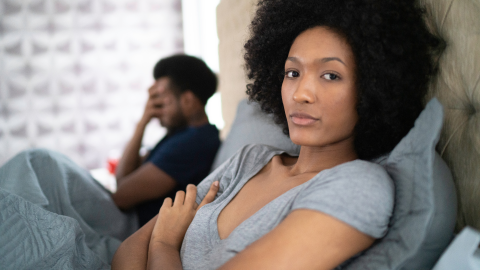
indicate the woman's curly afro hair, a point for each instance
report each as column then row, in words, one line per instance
column 392, row 49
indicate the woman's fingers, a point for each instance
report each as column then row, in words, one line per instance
column 212, row 192
column 167, row 202
column 188, row 198
column 191, row 195
column 179, row 198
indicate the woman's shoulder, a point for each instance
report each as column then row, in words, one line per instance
column 359, row 171
column 353, row 180
column 360, row 193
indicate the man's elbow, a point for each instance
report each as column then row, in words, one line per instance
column 121, row 202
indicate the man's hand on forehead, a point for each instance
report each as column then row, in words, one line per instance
column 157, row 88
column 158, row 101
column 158, row 97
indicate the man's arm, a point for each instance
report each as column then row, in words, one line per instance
column 131, row 159
column 145, row 183
column 137, row 183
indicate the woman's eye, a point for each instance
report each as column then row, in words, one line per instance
column 330, row 76
column 291, row 74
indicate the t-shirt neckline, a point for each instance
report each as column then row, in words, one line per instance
column 253, row 171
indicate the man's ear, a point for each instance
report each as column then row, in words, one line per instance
column 187, row 99
column 190, row 103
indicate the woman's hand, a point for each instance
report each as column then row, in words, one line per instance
column 174, row 219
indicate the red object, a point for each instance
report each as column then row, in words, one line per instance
column 112, row 165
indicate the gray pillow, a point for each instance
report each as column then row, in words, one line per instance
column 250, row 126
column 425, row 201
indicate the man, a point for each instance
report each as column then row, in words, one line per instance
column 182, row 86
column 47, row 198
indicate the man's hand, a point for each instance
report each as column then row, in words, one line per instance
column 173, row 220
column 155, row 103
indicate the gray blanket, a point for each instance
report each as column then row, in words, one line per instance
column 54, row 215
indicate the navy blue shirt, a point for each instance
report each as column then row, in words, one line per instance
column 186, row 156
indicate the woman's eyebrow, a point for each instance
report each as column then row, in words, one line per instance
column 293, row 59
column 323, row 60
column 328, row 59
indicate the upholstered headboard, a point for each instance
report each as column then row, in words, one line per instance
column 457, row 87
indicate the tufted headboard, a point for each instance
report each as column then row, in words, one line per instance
column 457, row 87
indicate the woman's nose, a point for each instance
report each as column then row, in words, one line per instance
column 305, row 91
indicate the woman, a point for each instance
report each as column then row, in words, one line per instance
column 353, row 77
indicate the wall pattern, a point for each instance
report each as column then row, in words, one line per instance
column 74, row 73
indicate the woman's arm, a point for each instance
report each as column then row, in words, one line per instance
column 167, row 237
column 170, row 228
column 132, row 253
column 157, row 244
column 306, row 239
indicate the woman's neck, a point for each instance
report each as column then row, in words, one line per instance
column 316, row 159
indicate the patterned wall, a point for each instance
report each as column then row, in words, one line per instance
column 74, row 73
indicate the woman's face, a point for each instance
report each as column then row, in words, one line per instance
column 318, row 90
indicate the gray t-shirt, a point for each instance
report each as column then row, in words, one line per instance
column 358, row 193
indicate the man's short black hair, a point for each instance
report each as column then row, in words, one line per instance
column 187, row 73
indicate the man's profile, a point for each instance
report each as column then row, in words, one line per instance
column 182, row 86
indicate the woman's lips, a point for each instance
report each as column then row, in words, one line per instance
column 302, row 119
